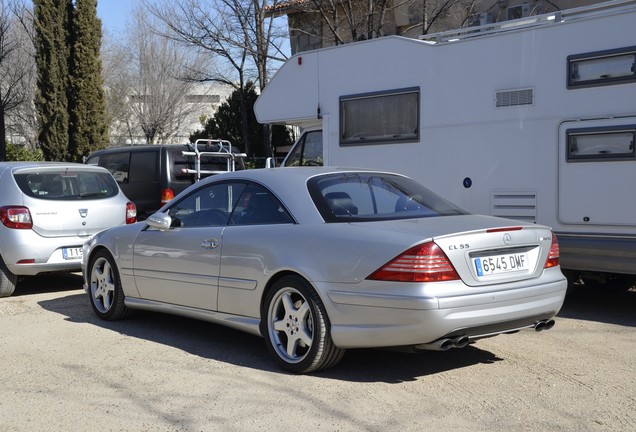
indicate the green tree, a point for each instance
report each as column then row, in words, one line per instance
column 52, row 18
column 88, row 126
column 22, row 153
column 227, row 124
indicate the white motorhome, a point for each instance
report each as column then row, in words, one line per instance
column 533, row 119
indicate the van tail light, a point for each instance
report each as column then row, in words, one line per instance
column 131, row 213
column 166, row 195
column 423, row 263
column 16, row 217
column 553, row 256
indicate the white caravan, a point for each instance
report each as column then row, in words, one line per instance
column 530, row 119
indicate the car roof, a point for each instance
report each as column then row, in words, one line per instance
column 292, row 173
column 14, row 166
column 136, row 148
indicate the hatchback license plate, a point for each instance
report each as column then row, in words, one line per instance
column 497, row 264
column 72, row 253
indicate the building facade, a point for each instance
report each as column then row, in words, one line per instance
column 315, row 24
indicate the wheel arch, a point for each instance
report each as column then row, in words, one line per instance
column 129, row 287
column 272, row 281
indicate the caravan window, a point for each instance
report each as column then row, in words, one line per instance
column 380, row 117
column 596, row 144
column 602, row 68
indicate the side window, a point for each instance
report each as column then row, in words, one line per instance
column 117, row 164
column 383, row 117
column 258, row 206
column 600, row 68
column 308, row 152
column 143, row 166
column 601, row 144
column 210, row 205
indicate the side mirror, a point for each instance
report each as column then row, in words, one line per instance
column 160, row 221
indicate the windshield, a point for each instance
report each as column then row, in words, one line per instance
column 67, row 185
column 347, row 197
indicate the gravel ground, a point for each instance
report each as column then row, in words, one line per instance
column 62, row 369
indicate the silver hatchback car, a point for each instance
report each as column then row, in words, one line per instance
column 48, row 210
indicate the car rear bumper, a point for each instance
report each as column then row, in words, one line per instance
column 27, row 254
column 363, row 320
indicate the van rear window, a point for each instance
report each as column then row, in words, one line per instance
column 182, row 166
column 67, row 185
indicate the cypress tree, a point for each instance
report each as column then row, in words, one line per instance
column 88, row 127
column 52, row 54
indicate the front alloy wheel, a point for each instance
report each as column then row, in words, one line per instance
column 105, row 291
column 296, row 327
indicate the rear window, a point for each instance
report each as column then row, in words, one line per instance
column 67, row 185
column 347, row 197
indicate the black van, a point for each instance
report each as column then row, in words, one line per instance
column 151, row 175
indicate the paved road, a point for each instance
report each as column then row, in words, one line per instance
column 61, row 369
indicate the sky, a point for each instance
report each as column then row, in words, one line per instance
column 114, row 14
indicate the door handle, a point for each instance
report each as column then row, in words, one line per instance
column 210, row 244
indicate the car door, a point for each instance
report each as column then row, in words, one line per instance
column 180, row 266
column 258, row 230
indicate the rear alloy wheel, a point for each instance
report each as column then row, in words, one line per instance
column 296, row 328
column 7, row 280
column 105, row 292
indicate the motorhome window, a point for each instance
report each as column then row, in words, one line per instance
column 601, row 144
column 602, row 68
column 380, row 117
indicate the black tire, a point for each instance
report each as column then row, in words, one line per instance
column 296, row 327
column 8, row 280
column 104, row 287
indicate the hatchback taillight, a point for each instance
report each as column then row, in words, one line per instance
column 422, row 263
column 16, row 217
column 553, row 256
column 166, row 195
column 131, row 213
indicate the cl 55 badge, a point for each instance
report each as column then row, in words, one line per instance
column 459, row 246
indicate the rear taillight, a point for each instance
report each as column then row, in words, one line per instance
column 131, row 213
column 422, row 263
column 166, row 195
column 16, row 217
column 553, row 256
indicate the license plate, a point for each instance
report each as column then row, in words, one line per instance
column 72, row 253
column 497, row 264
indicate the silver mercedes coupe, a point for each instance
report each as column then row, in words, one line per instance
column 321, row 260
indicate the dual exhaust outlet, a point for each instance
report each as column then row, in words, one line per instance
column 462, row 341
column 543, row 325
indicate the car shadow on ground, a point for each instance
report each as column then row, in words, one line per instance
column 48, row 282
column 601, row 305
column 224, row 344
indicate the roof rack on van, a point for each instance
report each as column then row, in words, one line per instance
column 224, row 151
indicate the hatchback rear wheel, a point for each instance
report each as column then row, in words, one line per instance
column 7, row 280
column 296, row 327
column 105, row 292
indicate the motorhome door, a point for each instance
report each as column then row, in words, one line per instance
column 597, row 172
